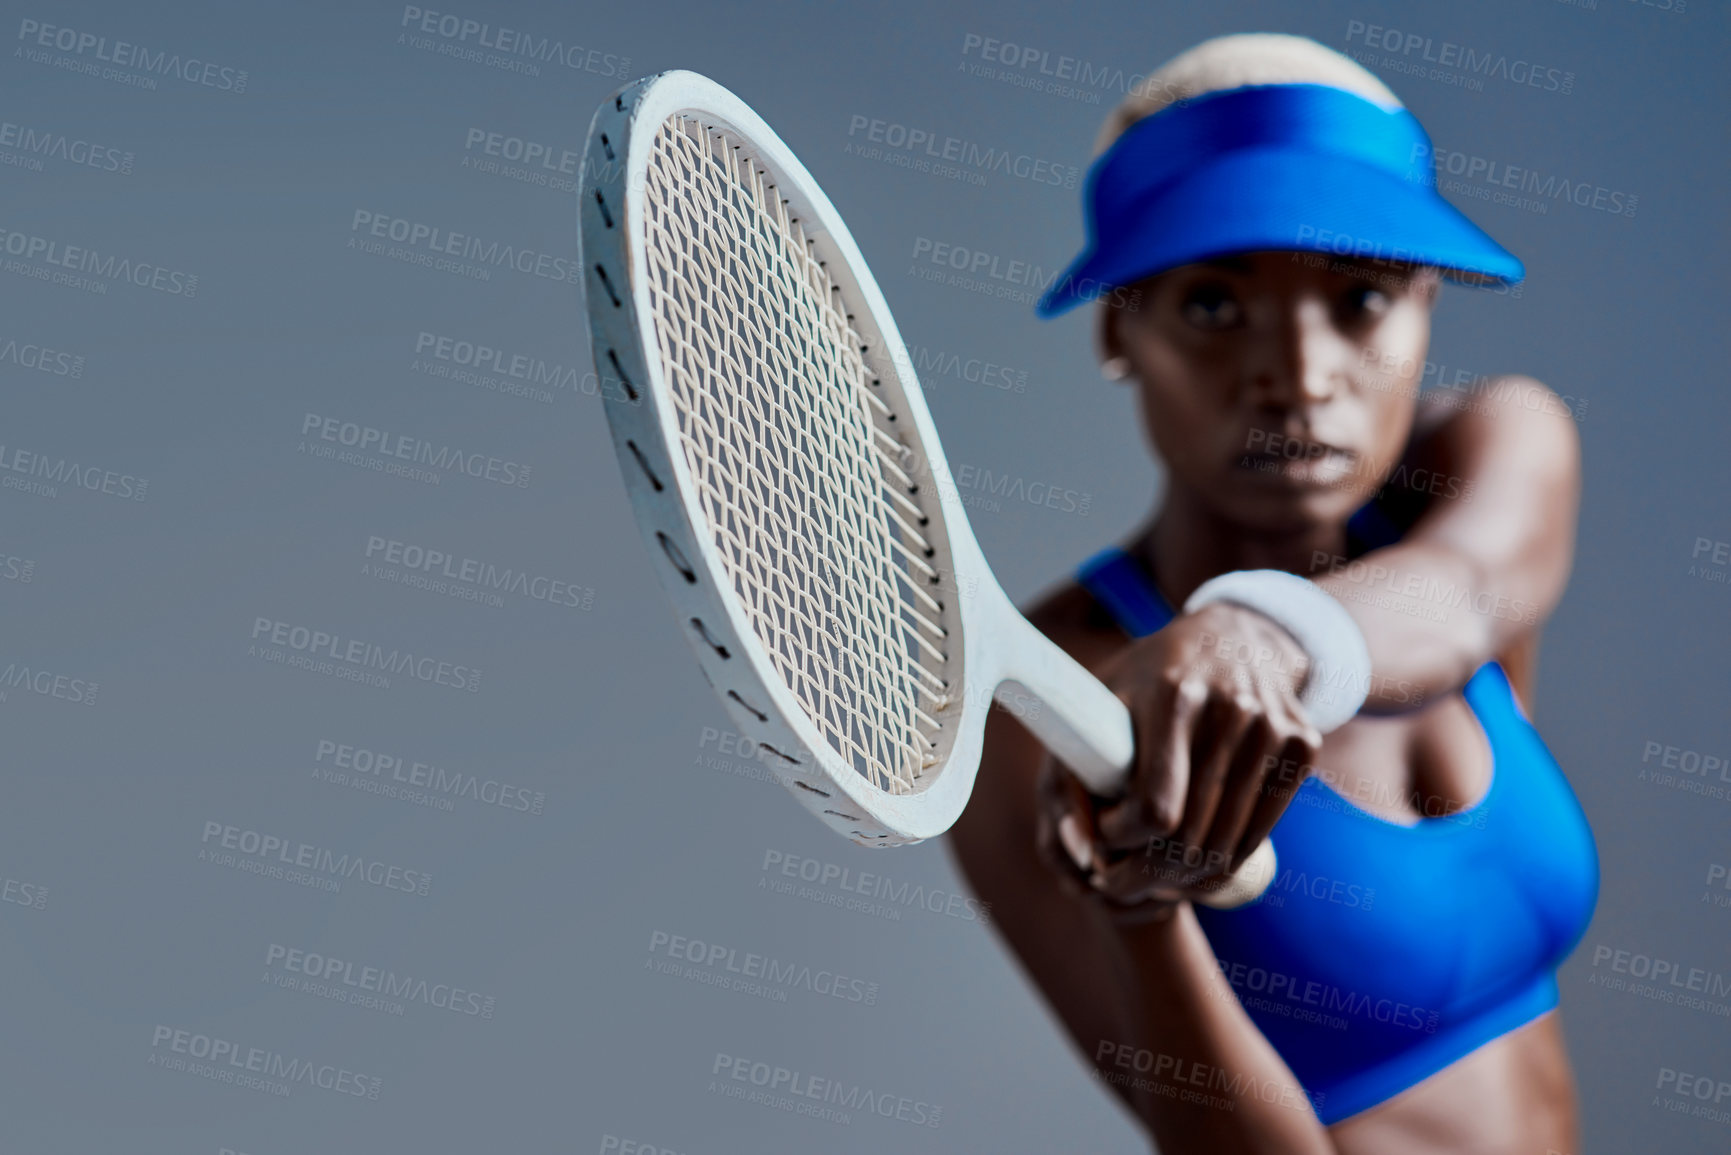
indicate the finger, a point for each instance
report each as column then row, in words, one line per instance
column 1065, row 811
column 1244, row 791
column 1071, row 878
column 1164, row 720
column 1217, row 746
column 1283, row 774
column 1126, row 881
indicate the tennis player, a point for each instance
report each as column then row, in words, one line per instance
column 1325, row 633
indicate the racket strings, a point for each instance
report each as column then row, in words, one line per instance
column 807, row 503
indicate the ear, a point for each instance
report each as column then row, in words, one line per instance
column 1109, row 345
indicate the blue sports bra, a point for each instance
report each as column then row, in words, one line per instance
column 1382, row 953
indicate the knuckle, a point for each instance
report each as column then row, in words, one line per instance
column 1192, row 690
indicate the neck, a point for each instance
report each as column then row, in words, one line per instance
column 1188, row 542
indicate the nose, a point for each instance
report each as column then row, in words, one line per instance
column 1302, row 359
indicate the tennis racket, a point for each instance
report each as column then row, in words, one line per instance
column 790, row 487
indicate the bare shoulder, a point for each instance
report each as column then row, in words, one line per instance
column 1495, row 419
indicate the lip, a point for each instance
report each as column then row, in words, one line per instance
column 1316, row 470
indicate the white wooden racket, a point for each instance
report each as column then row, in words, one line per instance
column 790, row 486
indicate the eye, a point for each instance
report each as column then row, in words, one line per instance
column 1211, row 305
column 1364, row 301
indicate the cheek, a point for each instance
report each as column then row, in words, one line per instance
column 1186, row 426
column 1390, row 362
column 1186, row 401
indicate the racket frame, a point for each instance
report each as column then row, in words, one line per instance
column 1002, row 655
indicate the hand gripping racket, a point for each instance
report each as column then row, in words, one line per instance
column 789, row 483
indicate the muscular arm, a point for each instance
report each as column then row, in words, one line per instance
column 1186, row 1059
column 1146, row 1004
column 1480, row 570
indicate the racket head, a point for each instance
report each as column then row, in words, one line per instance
column 781, row 462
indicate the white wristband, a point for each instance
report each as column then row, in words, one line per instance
column 1339, row 677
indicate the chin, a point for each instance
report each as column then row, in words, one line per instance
column 1290, row 509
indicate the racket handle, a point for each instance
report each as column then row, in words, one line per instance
column 1087, row 728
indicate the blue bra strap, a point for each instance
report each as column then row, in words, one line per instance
column 1116, row 581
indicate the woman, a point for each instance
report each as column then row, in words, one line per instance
column 1394, row 989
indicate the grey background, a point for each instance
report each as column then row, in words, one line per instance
column 601, row 709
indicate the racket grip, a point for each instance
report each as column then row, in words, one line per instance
column 1087, row 727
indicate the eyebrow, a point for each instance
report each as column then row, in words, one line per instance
column 1228, row 264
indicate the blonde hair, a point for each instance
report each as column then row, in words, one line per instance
column 1235, row 61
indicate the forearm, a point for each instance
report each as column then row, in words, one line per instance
column 1480, row 567
column 1202, row 1075
column 1430, row 616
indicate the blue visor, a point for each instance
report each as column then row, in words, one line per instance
column 1299, row 167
